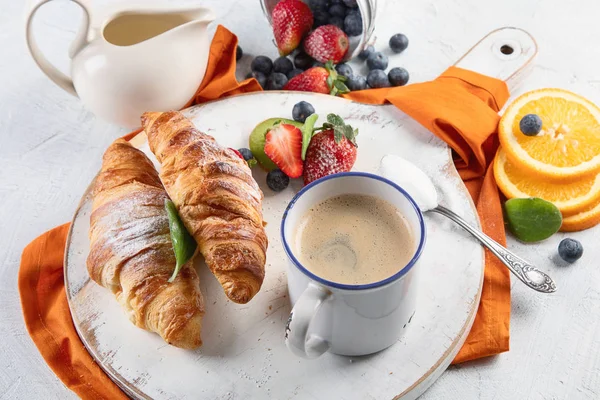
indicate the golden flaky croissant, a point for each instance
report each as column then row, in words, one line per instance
column 217, row 199
column 131, row 253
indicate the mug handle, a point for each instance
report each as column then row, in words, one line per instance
column 62, row 80
column 306, row 308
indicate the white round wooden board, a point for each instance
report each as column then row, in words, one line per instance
column 244, row 356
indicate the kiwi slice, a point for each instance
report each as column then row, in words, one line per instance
column 258, row 136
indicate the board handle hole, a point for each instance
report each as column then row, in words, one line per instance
column 507, row 49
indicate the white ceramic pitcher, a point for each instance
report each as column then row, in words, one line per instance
column 133, row 59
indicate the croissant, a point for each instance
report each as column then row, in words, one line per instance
column 131, row 253
column 217, row 199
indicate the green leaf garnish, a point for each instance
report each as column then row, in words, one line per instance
column 340, row 129
column 184, row 245
column 532, row 219
column 307, row 132
column 335, row 119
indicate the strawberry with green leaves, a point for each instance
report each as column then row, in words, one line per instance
column 291, row 20
column 330, row 151
column 319, row 80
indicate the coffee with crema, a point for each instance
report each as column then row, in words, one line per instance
column 354, row 239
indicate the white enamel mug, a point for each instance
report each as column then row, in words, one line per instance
column 344, row 319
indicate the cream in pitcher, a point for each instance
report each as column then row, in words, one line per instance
column 123, row 59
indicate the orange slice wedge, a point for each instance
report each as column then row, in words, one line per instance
column 570, row 197
column 569, row 144
column 583, row 220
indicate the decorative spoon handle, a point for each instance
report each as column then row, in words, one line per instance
column 527, row 273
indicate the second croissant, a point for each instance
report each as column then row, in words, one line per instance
column 217, row 198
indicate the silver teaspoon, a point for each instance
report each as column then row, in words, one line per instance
column 421, row 188
column 527, row 273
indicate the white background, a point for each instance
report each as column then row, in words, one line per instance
column 50, row 148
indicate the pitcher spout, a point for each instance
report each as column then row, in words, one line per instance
column 201, row 15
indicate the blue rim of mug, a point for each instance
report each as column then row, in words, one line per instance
column 343, row 286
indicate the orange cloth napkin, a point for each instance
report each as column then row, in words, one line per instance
column 460, row 107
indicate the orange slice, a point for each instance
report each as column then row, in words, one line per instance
column 584, row 220
column 568, row 145
column 569, row 197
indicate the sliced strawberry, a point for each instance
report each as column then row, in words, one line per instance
column 283, row 146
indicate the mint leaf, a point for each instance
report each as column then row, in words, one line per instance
column 184, row 245
column 338, row 133
column 335, row 119
column 307, row 132
column 340, row 129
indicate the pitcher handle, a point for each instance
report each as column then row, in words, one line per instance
column 306, row 308
column 80, row 41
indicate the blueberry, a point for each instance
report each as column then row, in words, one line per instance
column 318, row 64
column 377, row 78
column 334, row 2
column 277, row 180
column 398, row 43
column 320, row 18
column 319, row 4
column 337, row 21
column 293, row 73
column 260, row 77
column 302, row 110
column 350, row 3
column 398, row 76
column 570, row 250
column 338, row 10
column 353, row 25
column 246, row 153
column 531, row 124
column 303, row 61
column 367, row 51
column 276, row 81
column 344, row 70
column 238, row 53
column 377, row 60
column 262, row 64
column 356, row 82
column 283, row 65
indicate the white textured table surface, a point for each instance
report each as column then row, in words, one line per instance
column 50, row 148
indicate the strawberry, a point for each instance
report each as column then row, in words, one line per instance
column 319, row 80
column 327, row 42
column 283, row 146
column 292, row 20
column 237, row 153
column 330, row 151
